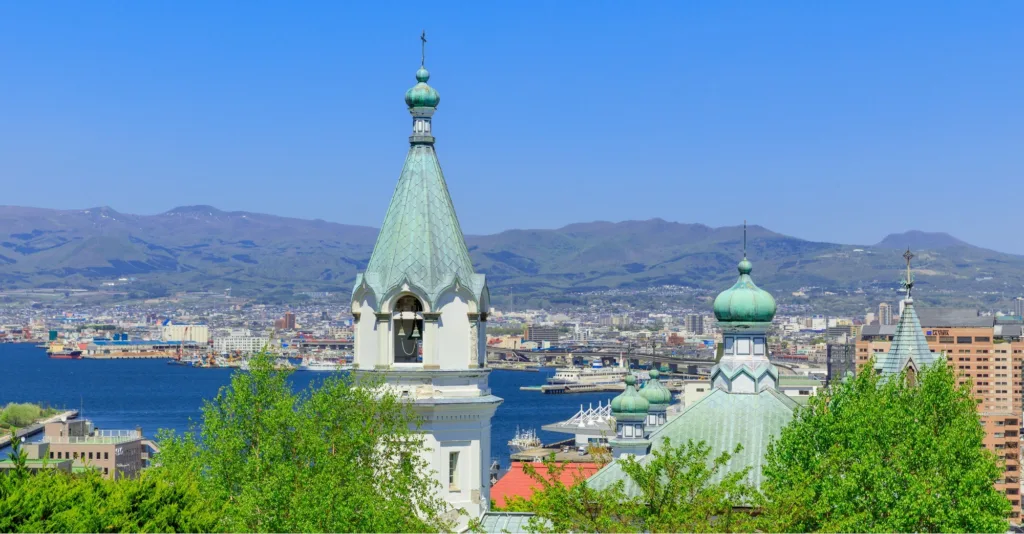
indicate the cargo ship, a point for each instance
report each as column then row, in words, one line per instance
column 60, row 351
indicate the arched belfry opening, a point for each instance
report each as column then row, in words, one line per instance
column 407, row 326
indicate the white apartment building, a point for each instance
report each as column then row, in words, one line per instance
column 200, row 333
column 242, row 344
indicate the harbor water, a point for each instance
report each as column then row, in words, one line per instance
column 118, row 394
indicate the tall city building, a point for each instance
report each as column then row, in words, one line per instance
column 420, row 319
column 885, row 313
column 986, row 354
column 840, row 361
column 289, row 321
column 694, row 324
column 1018, row 306
column 541, row 334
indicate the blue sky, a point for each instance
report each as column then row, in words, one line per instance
column 827, row 121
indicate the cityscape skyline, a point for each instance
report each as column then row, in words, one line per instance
column 199, row 99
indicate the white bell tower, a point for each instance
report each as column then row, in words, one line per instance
column 420, row 319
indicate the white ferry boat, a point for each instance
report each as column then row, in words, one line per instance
column 588, row 375
column 317, row 364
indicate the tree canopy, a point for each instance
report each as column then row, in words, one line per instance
column 341, row 457
column 675, row 489
column 872, row 455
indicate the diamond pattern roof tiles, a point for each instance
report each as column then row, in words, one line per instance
column 421, row 241
column 908, row 345
column 721, row 420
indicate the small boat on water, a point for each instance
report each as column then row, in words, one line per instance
column 524, row 440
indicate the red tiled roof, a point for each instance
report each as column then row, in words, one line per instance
column 517, row 483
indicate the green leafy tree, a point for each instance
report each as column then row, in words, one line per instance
column 338, row 458
column 675, row 489
column 54, row 501
column 873, row 455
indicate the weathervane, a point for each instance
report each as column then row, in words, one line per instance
column 908, row 282
column 423, row 48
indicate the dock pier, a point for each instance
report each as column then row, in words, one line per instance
column 36, row 428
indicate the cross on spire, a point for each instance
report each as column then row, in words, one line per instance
column 423, row 48
column 908, row 282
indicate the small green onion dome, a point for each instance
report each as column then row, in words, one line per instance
column 655, row 392
column 744, row 302
column 422, row 95
column 629, row 402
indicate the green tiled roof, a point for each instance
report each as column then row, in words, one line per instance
column 420, row 242
column 511, row 522
column 721, row 420
column 908, row 345
column 789, row 380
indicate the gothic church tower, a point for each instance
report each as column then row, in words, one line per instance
column 421, row 316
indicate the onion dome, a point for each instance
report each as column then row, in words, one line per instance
column 630, row 404
column 655, row 392
column 744, row 302
column 422, row 95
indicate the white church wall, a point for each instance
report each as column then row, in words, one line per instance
column 453, row 334
column 465, row 431
column 367, row 345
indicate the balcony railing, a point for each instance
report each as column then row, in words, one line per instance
column 101, row 437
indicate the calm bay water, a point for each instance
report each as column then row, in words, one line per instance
column 151, row 394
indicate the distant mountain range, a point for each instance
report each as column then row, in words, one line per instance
column 203, row 248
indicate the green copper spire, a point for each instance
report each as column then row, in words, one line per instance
column 909, row 346
column 420, row 242
column 744, row 302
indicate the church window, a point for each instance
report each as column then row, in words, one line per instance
column 743, row 346
column 408, row 329
column 729, row 342
column 759, row 346
column 453, row 471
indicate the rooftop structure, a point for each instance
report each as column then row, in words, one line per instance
column 517, row 483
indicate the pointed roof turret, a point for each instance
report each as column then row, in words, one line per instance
column 909, row 347
column 420, row 242
column 630, row 405
column 655, row 392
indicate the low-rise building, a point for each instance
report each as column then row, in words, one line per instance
column 114, row 453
